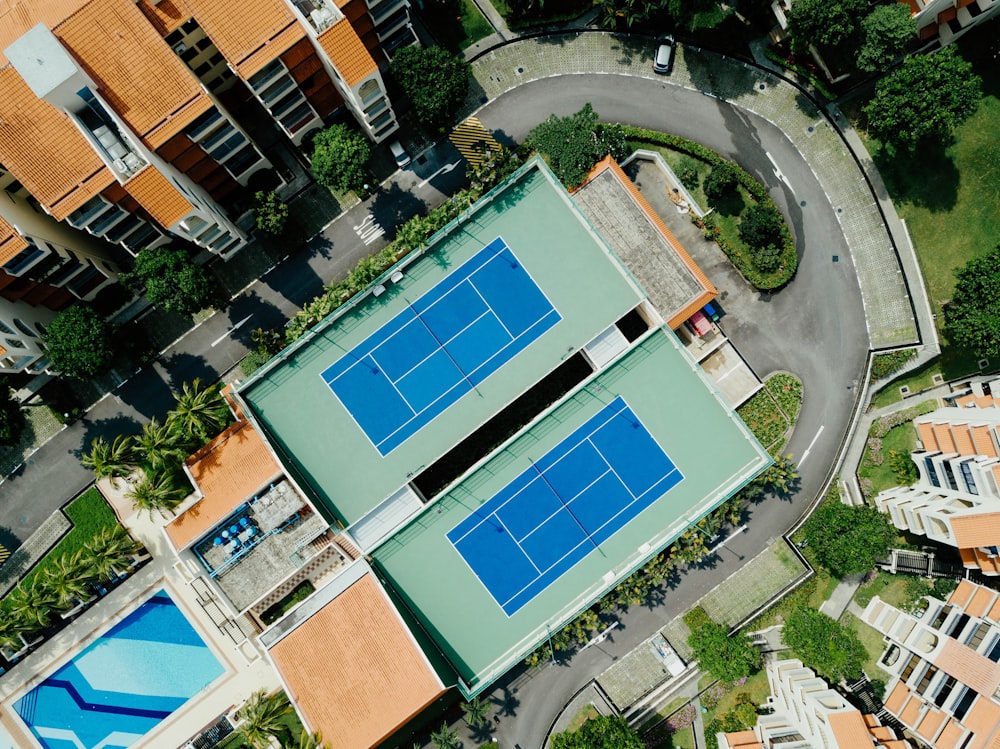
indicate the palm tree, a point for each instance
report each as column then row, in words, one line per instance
column 781, row 476
column 30, row 606
column 110, row 460
column 446, row 738
column 155, row 493
column 65, row 580
column 200, row 413
column 160, row 447
column 108, row 552
column 306, row 740
column 261, row 717
column 475, row 711
column 10, row 630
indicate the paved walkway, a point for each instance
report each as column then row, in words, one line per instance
column 888, row 311
column 842, row 596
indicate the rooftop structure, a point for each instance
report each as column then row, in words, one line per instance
column 956, row 499
column 805, row 713
column 944, row 667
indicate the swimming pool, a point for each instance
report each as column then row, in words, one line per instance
column 123, row 684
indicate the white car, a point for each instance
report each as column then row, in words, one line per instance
column 399, row 154
column 663, row 62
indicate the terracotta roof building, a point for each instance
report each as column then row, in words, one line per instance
column 941, row 22
column 956, row 500
column 805, row 713
column 944, row 667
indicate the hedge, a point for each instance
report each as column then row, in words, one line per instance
column 742, row 260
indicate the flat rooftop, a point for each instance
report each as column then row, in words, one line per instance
column 675, row 402
column 329, row 447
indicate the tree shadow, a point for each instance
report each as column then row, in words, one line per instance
column 183, row 367
column 506, row 702
column 106, row 428
column 482, row 733
column 147, row 393
column 262, row 314
column 730, row 203
column 712, row 73
column 395, row 206
column 927, row 178
column 10, row 542
column 296, row 281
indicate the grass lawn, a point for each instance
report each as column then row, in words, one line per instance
column 583, row 715
column 755, row 685
column 457, row 24
column 893, row 589
column 950, row 200
column 89, row 513
column 902, row 439
column 683, row 739
column 874, row 646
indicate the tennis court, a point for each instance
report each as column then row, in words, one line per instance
column 444, row 344
column 560, row 510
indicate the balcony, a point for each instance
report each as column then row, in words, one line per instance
column 321, row 15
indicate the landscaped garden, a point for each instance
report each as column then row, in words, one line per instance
column 773, row 410
column 886, row 461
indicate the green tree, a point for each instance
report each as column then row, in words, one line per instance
column 886, row 32
column 171, row 280
column 446, row 738
column 30, row 605
column 262, row 718
column 109, row 552
column 11, row 418
column 831, row 649
column 340, row 158
column 696, row 15
column 721, row 181
column 435, row 81
column 902, row 467
column 848, row 540
column 573, row 145
column 923, row 100
column 199, row 414
column 602, row 732
column 972, row 317
column 270, row 212
column 760, row 225
column 475, row 712
column 767, row 259
column 111, row 460
column 823, row 22
column 726, row 657
column 80, row 342
column 307, row 740
column 742, row 717
column 161, row 446
column 156, row 493
column 65, row 579
column 781, row 475
column 624, row 14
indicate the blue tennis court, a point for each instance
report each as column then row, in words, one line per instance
column 561, row 509
column 441, row 346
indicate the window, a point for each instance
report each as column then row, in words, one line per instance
column 949, row 475
column 925, row 680
column 5, row 328
column 994, row 651
column 242, row 160
column 945, row 691
column 970, row 482
column 977, row 635
column 23, row 327
column 909, row 668
column 369, row 91
column 82, row 215
column 14, row 343
column 17, row 264
column 964, row 703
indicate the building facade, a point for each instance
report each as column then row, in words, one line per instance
column 944, row 665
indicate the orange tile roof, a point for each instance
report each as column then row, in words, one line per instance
column 894, row 702
column 981, row 602
column 11, row 242
column 849, row 730
column 45, row 151
column 158, row 196
column 948, row 14
column 250, row 36
column 983, row 720
column 962, row 594
column 963, row 439
column 927, row 438
column 979, row 529
column 354, row 670
column 911, row 712
column 882, row 733
column 931, row 723
column 870, row 720
column 347, row 52
column 897, row 744
column 165, row 15
column 994, row 613
column 137, row 73
column 942, row 432
column 740, row 739
column 967, row 666
column 983, row 441
column 227, row 471
column 968, row 556
column 18, row 17
column 950, row 736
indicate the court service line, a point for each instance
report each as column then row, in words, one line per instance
column 518, row 543
column 806, row 453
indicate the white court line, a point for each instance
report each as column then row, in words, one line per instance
column 526, row 554
column 806, row 453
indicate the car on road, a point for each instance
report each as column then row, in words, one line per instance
column 399, row 154
column 663, row 60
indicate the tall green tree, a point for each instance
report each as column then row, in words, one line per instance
column 435, row 81
column 446, row 738
column 760, row 225
column 262, row 717
column 111, row 460
column 475, row 712
column 972, row 317
column 162, row 447
column 848, row 540
column 307, row 740
column 155, row 493
column 825, row 23
column 340, row 158
column 887, row 30
column 80, row 342
column 726, row 657
column 828, row 647
column 30, row 605
column 199, row 414
column 923, row 100
column 573, row 145
column 270, row 212
column 602, row 732
column 65, row 580
column 108, row 553
column 171, row 280
column 11, row 418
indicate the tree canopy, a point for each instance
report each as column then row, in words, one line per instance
column 270, row 212
column 340, row 158
column 573, row 144
column 80, row 342
column 602, row 732
column 924, row 99
column 726, row 658
column 11, row 418
column 760, row 225
column 846, row 539
column 972, row 318
column 886, row 32
column 434, row 80
column 828, row 647
column 823, row 22
column 170, row 280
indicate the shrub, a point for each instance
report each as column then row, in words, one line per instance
column 761, row 225
column 766, row 258
column 340, row 158
column 721, row 181
column 271, row 212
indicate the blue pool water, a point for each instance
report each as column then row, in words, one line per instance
column 123, row 684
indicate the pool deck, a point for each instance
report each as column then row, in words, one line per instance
column 246, row 668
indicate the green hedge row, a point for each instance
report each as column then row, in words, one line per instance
column 740, row 258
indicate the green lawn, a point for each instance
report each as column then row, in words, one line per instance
column 584, row 714
column 457, row 24
column 950, row 200
column 874, row 646
column 902, row 439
